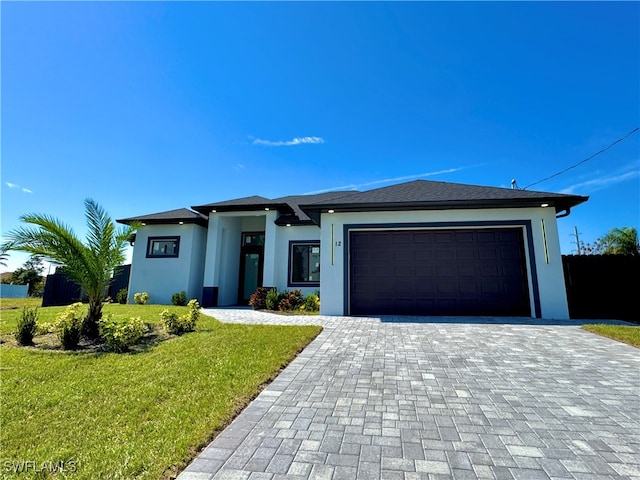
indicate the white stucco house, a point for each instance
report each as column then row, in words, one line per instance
column 416, row 248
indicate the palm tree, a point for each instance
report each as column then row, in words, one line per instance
column 4, row 255
column 89, row 264
column 620, row 241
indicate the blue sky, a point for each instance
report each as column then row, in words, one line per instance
column 152, row 106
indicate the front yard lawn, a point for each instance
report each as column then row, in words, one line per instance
column 622, row 333
column 139, row 415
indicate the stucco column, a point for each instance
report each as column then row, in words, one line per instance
column 270, row 242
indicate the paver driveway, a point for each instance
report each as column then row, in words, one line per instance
column 405, row 398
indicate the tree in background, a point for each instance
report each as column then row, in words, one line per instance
column 88, row 264
column 617, row 241
column 29, row 274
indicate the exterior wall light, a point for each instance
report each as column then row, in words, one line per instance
column 330, row 211
column 544, row 205
column 180, row 223
column 266, row 209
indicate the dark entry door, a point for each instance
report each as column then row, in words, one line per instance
column 251, row 265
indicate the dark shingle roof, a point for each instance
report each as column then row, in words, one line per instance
column 415, row 195
column 294, row 201
column 288, row 206
column 254, row 202
column 171, row 216
column 427, row 194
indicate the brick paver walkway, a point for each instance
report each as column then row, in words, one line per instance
column 410, row 398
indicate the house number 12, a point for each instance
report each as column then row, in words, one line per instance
column 338, row 244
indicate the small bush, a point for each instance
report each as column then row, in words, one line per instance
column 177, row 325
column 121, row 296
column 68, row 324
column 179, row 299
column 312, row 303
column 272, row 299
column 119, row 335
column 258, row 299
column 45, row 328
column 290, row 301
column 27, row 326
column 141, row 298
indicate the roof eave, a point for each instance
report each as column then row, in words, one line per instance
column 207, row 209
column 559, row 203
column 168, row 221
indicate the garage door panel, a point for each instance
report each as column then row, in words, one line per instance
column 488, row 270
column 488, row 254
column 439, row 272
column 466, row 253
column 441, row 236
column 464, row 237
column 444, row 254
column 466, row 271
column 423, row 255
column 401, row 255
column 445, row 270
column 486, row 236
column 468, row 288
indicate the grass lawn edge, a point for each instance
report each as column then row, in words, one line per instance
column 627, row 334
column 172, row 472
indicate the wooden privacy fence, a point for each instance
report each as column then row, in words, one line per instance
column 603, row 286
column 58, row 290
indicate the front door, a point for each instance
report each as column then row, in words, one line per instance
column 251, row 265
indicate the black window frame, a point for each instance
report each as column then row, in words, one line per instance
column 298, row 243
column 166, row 238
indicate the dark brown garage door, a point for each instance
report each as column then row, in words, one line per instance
column 438, row 272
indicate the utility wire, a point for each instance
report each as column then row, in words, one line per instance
column 585, row 160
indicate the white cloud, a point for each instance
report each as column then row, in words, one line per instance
column 288, row 143
column 387, row 180
column 15, row 185
column 601, row 182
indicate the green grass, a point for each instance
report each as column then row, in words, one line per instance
column 12, row 303
column 137, row 415
column 622, row 333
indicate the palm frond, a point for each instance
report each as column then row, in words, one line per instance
column 54, row 240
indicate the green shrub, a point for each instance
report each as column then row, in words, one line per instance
column 272, row 299
column 68, row 325
column 141, row 298
column 179, row 299
column 258, row 299
column 312, row 303
column 119, row 335
column 290, row 301
column 27, row 326
column 177, row 325
column 121, row 296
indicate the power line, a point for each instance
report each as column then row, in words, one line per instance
column 585, row 160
